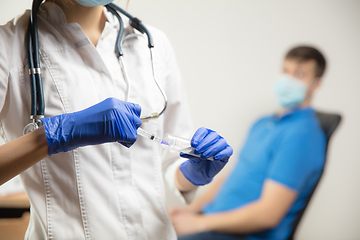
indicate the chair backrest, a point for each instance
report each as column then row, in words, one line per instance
column 329, row 122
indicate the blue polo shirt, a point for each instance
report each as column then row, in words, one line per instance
column 289, row 150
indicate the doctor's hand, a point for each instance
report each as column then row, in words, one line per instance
column 199, row 170
column 111, row 120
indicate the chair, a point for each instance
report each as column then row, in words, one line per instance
column 329, row 122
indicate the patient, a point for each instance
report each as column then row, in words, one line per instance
column 279, row 165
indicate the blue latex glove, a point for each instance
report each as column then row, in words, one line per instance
column 108, row 121
column 208, row 143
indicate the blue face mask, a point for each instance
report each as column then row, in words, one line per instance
column 93, row 3
column 289, row 91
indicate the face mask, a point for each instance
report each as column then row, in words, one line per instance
column 93, row 3
column 289, row 91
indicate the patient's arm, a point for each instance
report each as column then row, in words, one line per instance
column 20, row 154
column 265, row 213
column 198, row 204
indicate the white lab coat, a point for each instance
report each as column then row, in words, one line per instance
column 105, row 191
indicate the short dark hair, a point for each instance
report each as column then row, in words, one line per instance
column 306, row 53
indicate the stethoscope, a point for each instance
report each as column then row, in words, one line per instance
column 36, row 86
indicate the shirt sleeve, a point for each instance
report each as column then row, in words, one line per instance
column 298, row 156
column 177, row 119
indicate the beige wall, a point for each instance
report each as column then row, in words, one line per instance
column 230, row 52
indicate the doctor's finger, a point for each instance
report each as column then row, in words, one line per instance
column 137, row 109
column 137, row 121
column 207, row 142
column 224, row 154
column 198, row 136
column 215, row 148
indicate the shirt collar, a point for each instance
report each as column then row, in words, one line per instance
column 297, row 112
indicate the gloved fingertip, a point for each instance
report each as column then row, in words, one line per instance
column 202, row 130
column 194, row 143
column 229, row 150
column 138, row 122
column 224, row 154
column 198, row 136
column 137, row 109
column 218, row 157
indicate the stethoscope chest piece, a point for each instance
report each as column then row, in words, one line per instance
column 35, row 124
column 29, row 128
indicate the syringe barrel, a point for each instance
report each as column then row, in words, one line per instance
column 180, row 144
column 148, row 135
column 144, row 133
column 176, row 143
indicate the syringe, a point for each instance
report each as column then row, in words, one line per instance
column 171, row 142
column 151, row 136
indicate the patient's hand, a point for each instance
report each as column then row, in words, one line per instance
column 173, row 211
column 186, row 222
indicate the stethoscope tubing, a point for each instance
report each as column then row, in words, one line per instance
column 121, row 30
column 32, row 41
column 32, row 76
column 135, row 23
column 141, row 28
column 38, row 102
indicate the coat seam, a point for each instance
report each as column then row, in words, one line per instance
column 2, row 133
column 83, row 212
column 137, row 193
column 46, row 181
column 158, row 180
column 117, row 193
column 47, row 63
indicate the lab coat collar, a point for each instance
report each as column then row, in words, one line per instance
column 55, row 15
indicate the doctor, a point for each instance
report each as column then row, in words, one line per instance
column 80, row 188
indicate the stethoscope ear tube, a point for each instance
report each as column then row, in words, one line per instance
column 121, row 30
column 135, row 23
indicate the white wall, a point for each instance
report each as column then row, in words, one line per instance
column 230, row 52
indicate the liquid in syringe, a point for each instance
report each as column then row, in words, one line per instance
column 171, row 142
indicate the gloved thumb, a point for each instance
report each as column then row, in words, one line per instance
column 137, row 109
